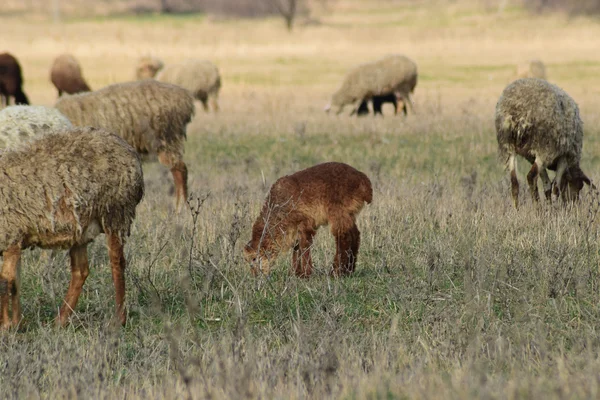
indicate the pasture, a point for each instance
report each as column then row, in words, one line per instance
column 455, row 295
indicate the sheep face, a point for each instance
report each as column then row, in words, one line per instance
column 259, row 259
column 572, row 183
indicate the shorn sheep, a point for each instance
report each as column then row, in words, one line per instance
column 66, row 75
column 540, row 122
column 200, row 77
column 23, row 123
column 297, row 205
column 394, row 74
column 11, row 81
column 147, row 67
column 151, row 116
column 531, row 69
column 61, row 191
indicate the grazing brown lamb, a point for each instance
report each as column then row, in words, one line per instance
column 11, row 81
column 66, row 75
column 297, row 205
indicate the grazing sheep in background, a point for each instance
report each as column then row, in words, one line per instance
column 392, row 74
column 147, row 67
column 11, row 81
column 540, row 122
column 198, row 76
column 297, row 205
column 23, row 123
column 151, row 116
column 66, row 75
column 531, row 69
column 378, row 102
column 62, row 191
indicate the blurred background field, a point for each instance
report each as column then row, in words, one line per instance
column 456, row 294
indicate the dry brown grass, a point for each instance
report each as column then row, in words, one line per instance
column 456, row 294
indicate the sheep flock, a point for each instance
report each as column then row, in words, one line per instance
column 71, row 172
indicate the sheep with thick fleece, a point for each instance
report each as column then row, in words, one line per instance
column 395, row 74
column 540, row 122
column 151, row 116
column 201, row 77
column 23, row 123
column 61, row 191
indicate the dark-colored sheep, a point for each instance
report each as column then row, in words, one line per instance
column 378, row 102
column 11, row 81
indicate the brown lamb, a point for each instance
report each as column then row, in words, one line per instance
column 66, row 75
column 61, row 191
column 11, row 81
column 297, row 205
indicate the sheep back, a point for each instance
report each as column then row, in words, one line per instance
column 200, row 77
column 23, row 123
column 66, row 75
column 151, row 116
column 535, row 118
column 60, row 190
column 393, row 73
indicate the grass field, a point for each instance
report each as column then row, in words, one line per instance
column 456, row 294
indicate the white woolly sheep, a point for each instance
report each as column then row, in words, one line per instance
column 151, row 116
column 61, row 191
column 394, row 74
column 23, row 123
column 540, row 122
column 200, row 77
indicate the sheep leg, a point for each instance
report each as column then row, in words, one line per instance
column 559, row 182
column 547, row 184
column 9, row 287
column 347, row 240
column 204, row 102
column 214, row 102
column 304, row 265
column 117, row 263
column 532, row 178
column 79, row 272
column 514, row 182
column 180, row 177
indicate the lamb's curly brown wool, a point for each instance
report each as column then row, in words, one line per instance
column 66, row 75
column 540, row 122
column 297, row 205
column 61, row 191
column 151, row 116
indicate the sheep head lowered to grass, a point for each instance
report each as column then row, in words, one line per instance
column 540, row 122
column 297, row 205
